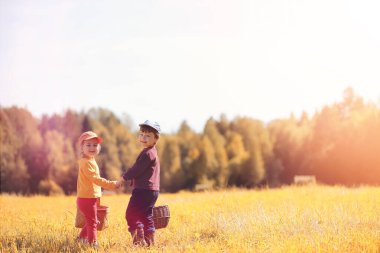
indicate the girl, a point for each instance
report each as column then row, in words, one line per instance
column 89, row 185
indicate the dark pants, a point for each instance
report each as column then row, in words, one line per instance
column 139, row 213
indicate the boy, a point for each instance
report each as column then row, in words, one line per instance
column 145, row 179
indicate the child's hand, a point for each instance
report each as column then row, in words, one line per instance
column 119, row 183
column 116, row 184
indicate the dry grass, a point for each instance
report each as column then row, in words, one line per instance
column 291, row 219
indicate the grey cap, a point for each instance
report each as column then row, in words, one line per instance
column 152, row 124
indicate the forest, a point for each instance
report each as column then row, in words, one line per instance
column 339, row 144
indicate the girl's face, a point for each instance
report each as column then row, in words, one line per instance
column 91, row 148
column 147, row 139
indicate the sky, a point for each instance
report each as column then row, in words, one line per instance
column 176, row 60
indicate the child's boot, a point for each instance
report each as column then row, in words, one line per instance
column 149, row 238
column 81, row 240
column 94, row 245
column 138, row 237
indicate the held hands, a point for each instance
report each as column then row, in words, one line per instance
column 119, row 183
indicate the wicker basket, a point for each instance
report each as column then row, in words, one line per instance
column 161, row 216
column 102, row 215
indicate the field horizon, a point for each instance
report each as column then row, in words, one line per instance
column 288, row 219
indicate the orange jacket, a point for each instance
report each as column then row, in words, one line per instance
column 89, row 181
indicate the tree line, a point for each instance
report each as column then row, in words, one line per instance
column 339, row 145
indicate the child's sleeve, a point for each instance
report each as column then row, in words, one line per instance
column 138, row 168
column 90, row 172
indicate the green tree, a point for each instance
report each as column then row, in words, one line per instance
column 289, row 138
column 255, row 137
column 172, row 175
column 14, row 173
column 189, row 144
column 60, row 161
column 237, row 156
column 345, row 141
column 219, row 169
column 27, row 142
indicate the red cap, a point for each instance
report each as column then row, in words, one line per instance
column 87, row 136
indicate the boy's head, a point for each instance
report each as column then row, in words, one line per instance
column 149, row 133
column 152, row 127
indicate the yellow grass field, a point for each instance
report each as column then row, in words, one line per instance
column 290, row 219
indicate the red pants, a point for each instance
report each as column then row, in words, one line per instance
column 88, row 207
